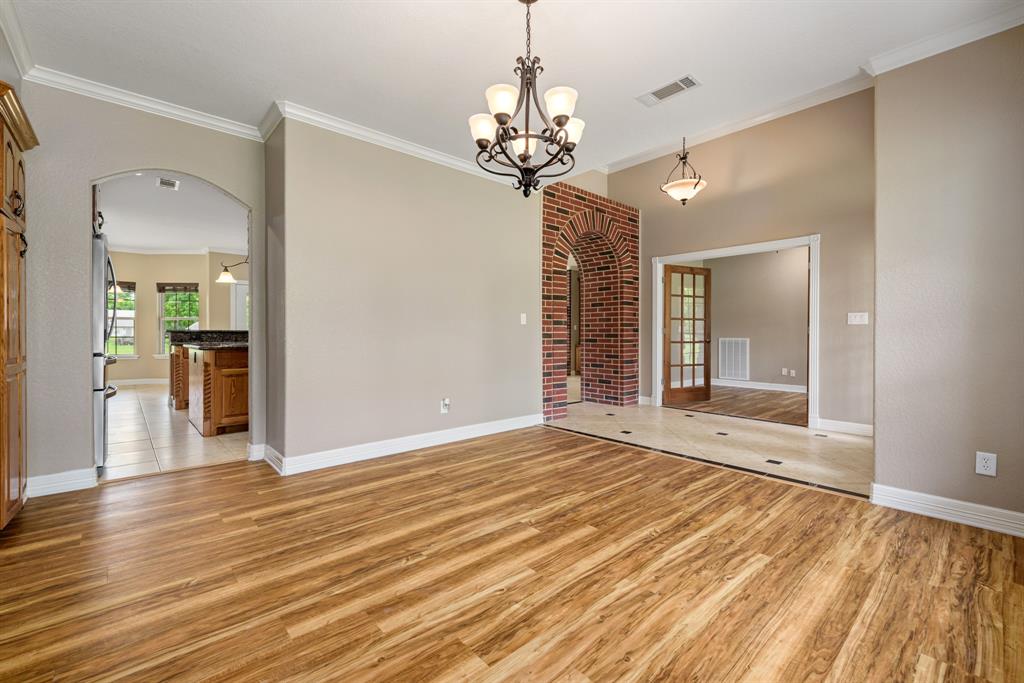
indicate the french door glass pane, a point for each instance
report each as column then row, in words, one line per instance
column 698, row 330
column 687, row 330
column 698, row 286
column 677, row 283
column 676, row 306
column 675, row 330
column 674, row 375
column 698, row 375
column 698, row 354
column 687, row 376
column 688, row 284
column 688, row 354
column 688, row 307
column 698, row 307
column 674, row 360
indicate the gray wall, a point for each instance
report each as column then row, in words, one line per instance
column 763, row 297
column 82, row 140
column 276, row 313
column 405, row 281
column 950, row 233
column 806, row 173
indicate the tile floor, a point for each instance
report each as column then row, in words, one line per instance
column 147, row 436
column 573, row 388
column 841, row 461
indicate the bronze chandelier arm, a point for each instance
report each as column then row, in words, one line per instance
column 567, row 158
column 480, row 163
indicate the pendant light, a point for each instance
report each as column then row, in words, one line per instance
column 529, row 150
column 687, row 187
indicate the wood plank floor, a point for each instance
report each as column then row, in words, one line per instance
column 534, row 555
column 787, row 407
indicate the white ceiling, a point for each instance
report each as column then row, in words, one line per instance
column 139, row 215
column 416, row 69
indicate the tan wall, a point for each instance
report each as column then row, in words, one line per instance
column 405, row 281
column 806, row 173
column 949, row 378
column 592, row 181
column 82, row 140
column 276, row 319
column 763, row 297
column 145, row 270
column 218, row 302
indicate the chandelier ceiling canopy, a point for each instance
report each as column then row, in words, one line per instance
column 537, row 145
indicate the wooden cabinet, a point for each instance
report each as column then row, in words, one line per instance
column 218, row 387
column 179, row 377
column 17, row 137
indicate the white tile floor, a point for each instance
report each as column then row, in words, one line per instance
column 147, row 436
column 840, row 461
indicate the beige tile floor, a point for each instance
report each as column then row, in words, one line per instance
column 573, row 389
column 841, row 461
column 147, row 436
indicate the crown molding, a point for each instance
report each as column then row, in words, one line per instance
column 297, row 112
column 862, row 81
column 11, row 28
column 177, row 252
column 947, row 40
column 126, row 98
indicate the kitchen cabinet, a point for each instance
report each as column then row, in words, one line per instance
column 218, row 388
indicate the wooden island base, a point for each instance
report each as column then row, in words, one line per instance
column 218, row 388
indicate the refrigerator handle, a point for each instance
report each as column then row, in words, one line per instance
column 113, row 312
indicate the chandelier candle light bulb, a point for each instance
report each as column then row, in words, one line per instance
column 541, row 145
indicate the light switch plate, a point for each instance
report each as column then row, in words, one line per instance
column 522, row 318
column 859, row 318
column 446, row 404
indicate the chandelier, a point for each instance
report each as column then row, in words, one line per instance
column 531, row 150
column 687, row 186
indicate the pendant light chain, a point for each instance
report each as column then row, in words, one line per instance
column 527, row 33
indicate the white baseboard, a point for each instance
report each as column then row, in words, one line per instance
column 72, row 480
column 765, row 386
column 130, row 382
column 274, row 459
column 645, row 400
column 839, row 426
column 256, row 451
column 949, row 509
column 378, row 449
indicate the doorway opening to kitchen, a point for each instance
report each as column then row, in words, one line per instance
column 171, row 321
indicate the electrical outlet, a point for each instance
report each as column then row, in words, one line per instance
column 522, row 318
column 792, row 373
column 446, row 404
column 985, row 463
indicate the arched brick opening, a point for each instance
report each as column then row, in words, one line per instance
column 604, row 237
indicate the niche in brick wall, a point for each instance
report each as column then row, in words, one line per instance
column 604, row 237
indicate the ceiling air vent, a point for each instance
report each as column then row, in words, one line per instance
column 661, row 94
column 168, row 183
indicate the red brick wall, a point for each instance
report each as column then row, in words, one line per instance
column 604, row 236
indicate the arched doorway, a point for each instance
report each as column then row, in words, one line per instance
column 603, row 236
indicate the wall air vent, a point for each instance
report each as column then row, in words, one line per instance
column 661, row 94
column 167, row 183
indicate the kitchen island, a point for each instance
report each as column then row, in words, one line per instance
column 218, row 386
column 179, row 359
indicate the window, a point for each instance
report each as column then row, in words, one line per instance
column 179, row 310
column 122, row 339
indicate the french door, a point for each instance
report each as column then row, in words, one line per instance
column 686, row 375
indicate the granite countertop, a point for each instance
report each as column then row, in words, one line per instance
column 184, row 337
column 216, row 345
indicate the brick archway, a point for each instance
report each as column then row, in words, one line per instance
column 604, row 236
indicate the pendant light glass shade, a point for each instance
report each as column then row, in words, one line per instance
column 685, row 189
column 226, row 278
column 482, row 127
column 575, row 130
column 561, row 103
column 502, row 99
column 519, row 144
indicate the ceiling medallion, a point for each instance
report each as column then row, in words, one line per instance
column 687, row 186
column 522, row 151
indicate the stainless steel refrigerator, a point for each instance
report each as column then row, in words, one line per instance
column 103, row 281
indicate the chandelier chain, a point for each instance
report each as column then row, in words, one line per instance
column 527, row 33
